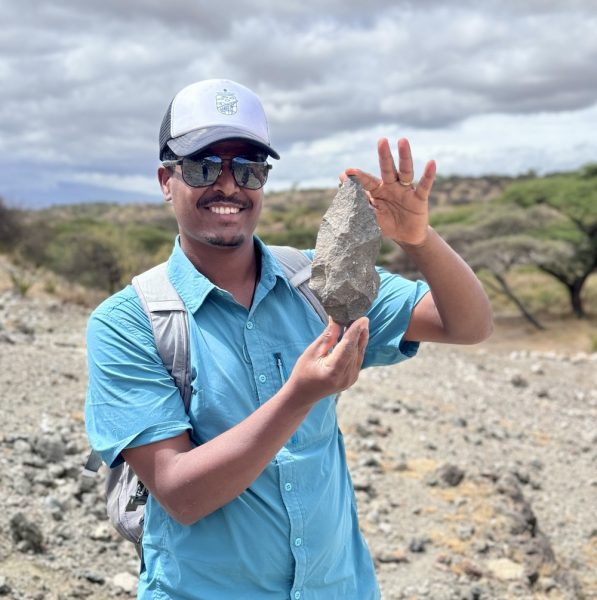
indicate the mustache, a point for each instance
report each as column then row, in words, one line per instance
column 219, row 198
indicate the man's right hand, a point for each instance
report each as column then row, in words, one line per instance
column 329, row 366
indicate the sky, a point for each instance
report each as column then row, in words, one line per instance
column 481, row 86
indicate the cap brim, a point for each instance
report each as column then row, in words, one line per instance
column 197, row 140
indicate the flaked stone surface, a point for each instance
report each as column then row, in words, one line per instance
column 343, row 274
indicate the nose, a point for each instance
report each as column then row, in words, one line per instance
column 225, row 183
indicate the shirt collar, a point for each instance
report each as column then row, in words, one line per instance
column 193, row 287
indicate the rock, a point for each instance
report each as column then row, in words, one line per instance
column 506, row 569
column 363, row 484
column 6, row 339
column 92, row 577
column 102, row 533
column 395, row 556
column 471, row 569
column 5, row 588
column 446, row 476
column 343, row 274
column 475, row 593
column 21, row 446
column 508, row 485
column 26, row 534
column 50, row 446
column 55, row 507
column 418, row 545
column 519, row 381
column 126, row 582
column 466, row 531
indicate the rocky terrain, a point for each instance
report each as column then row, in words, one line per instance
column 475, row 469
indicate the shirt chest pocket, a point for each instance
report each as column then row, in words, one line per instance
column 215, row 410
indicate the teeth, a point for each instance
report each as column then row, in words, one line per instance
column 224, row 210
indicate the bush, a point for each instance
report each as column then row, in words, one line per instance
column 10, row 226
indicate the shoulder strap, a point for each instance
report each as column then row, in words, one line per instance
column 169, row 322
column 297, row 267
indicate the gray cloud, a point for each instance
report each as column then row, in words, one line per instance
column 85, row 85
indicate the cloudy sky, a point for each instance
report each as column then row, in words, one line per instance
column 482, row 86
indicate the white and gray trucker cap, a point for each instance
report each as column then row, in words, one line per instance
column 211, row 111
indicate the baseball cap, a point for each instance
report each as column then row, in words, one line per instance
column 211, row 111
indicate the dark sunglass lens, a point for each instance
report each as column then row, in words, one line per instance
column 201, row 172
column 249, row 174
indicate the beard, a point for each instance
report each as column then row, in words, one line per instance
column 223, row 242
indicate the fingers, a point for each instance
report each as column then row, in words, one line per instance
column 328, row 338
column 350, row 350
column 368, row 181
column 426, row 181
column 363, row 341
column 387, row 168
column 329, row 366
column 405, row 161
column 390, row 174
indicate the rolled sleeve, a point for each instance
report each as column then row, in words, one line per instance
column 131, row 400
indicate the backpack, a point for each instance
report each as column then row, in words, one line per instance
column 126, row 495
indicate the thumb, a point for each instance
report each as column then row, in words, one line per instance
column 327, row 340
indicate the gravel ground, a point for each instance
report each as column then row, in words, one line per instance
column 474, row 470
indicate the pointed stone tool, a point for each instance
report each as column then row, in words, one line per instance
column 343, row 274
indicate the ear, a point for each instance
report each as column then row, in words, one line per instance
column 165, row 179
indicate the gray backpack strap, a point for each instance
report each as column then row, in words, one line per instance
column 169, row 322
column 297, row 268
column 125, row 493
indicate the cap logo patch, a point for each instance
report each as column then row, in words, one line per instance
column 226, row 102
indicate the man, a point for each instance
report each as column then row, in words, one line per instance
column 249, row 492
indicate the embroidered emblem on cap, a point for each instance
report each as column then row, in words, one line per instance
column 226, row 102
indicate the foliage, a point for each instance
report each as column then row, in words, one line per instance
column 299, row 237
column 501, row 226
column 21, row 282
column 572, row 200
column 549, row 223
column 82, row 245
column 10, row 226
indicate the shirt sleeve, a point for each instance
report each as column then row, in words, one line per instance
column 389, row 317
column 131, row 399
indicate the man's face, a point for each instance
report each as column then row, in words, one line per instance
column 221, row 215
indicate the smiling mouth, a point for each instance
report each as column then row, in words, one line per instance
column 224, row 210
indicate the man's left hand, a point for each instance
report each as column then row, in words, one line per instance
column 402, row 208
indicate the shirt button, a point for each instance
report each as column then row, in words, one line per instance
column 288, row 486
column 298, row 542
column 262, row 378
column 297, row 595
column 249, row 324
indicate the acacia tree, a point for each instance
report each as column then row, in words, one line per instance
column 572, row 199
column 498, row 238
column 500, row 254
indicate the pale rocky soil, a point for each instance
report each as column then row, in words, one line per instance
column 475, row 468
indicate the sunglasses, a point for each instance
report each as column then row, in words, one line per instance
column 203, row 171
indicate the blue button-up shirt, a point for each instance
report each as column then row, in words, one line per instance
column 294, row 532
